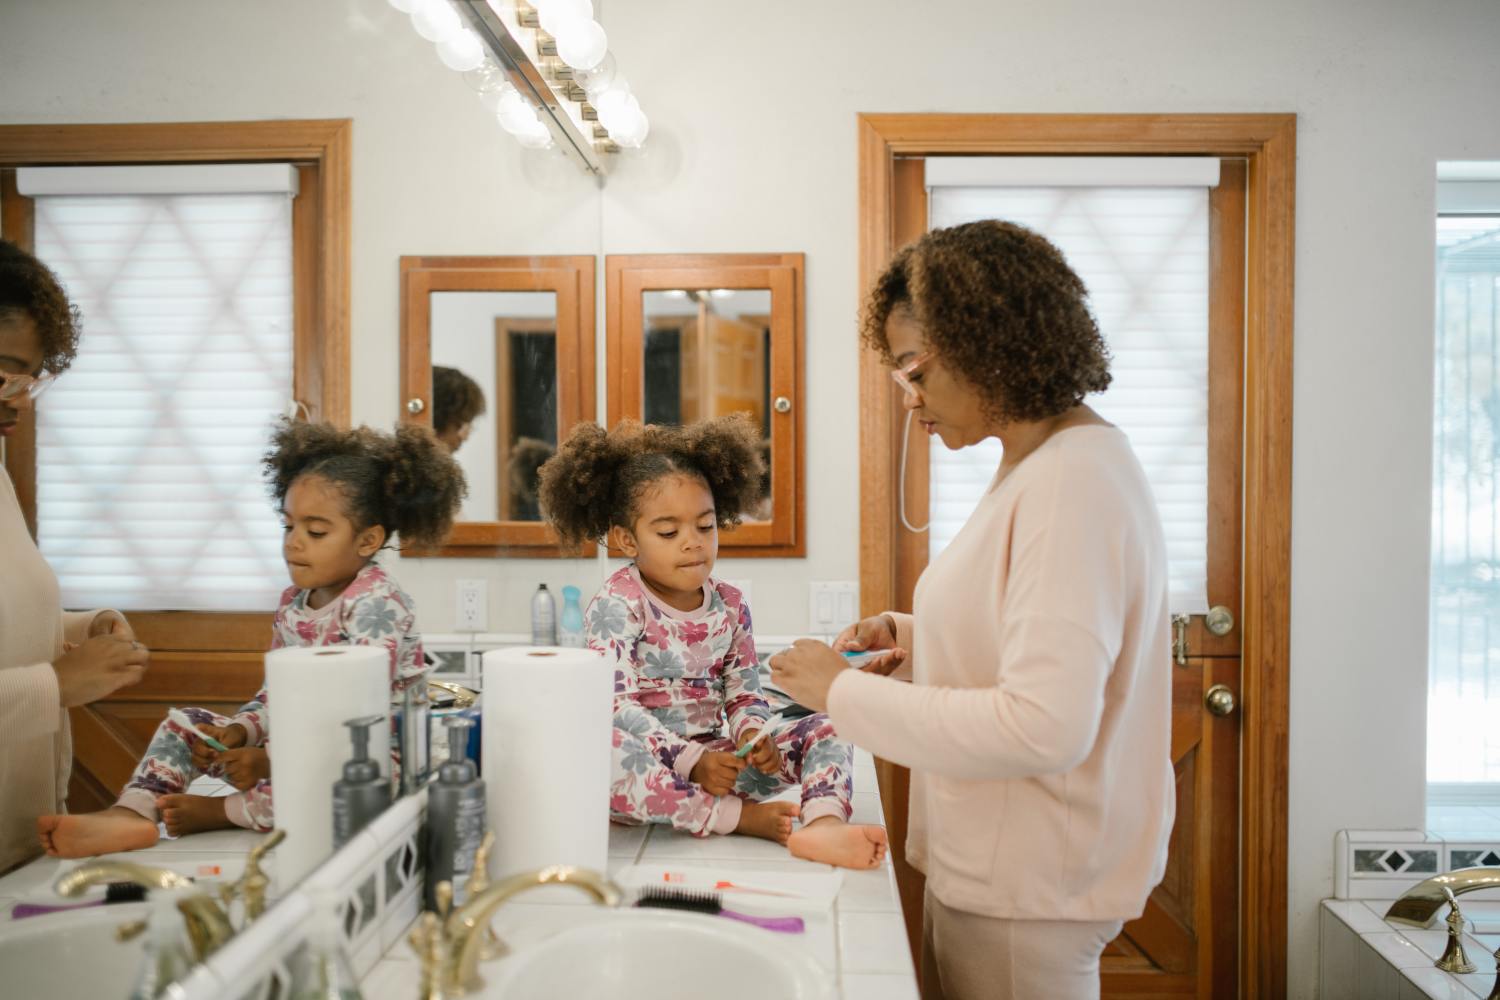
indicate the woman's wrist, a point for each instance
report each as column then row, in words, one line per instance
column 890, row 623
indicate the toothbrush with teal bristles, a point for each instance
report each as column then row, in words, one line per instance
column 765, row 730
column 180, row 717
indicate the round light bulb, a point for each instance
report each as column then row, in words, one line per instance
column 617, row 115
column 517, row 121
column 611, row 98
column 435, row 20
column 634, row 133
column 599, row 77
column 486, row 78
column 461, row 51
column 512, row 103
column 583, row 44
column 553, row 13
column 536, row 136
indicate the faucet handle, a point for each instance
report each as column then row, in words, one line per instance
column 1495, row 990
column 254, row 882
column 1454, row 959
column 479, row 880
column 430, row 942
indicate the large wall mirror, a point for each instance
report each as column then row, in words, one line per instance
column 692, row 336
column 498, row 358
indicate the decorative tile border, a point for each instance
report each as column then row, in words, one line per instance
column 1383, row 864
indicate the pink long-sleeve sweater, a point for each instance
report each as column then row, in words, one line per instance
column 1037, row 723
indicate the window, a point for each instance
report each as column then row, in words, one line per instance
column 1463, row 744
column 1136, row 231
column 149, row 490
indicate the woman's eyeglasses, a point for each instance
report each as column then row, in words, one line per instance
column 28, row 387
column 903, row 375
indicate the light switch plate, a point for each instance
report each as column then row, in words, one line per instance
column 832, row 606
column 473, row 606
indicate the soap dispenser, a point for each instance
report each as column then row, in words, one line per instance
column 168, row 954
column 455, row 816
column 363, row 792
column 321, row 969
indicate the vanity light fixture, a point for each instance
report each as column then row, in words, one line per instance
column 542, row 67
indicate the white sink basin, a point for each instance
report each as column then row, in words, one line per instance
column 72, row 954
column 661, row 956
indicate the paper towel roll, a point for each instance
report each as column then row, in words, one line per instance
column 311, row 691
column 547, row 733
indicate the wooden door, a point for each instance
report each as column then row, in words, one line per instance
column 1186, row 942
column 737, row 368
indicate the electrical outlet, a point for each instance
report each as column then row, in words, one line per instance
column 832, row 606
column 473, row 606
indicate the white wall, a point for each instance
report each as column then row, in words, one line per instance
column 753, row 150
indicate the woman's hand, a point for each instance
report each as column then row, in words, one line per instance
column 878, row 632
column 246, row 767
column 806, row 671
column 232, row 736
column 111, row 623
column 765, row 757
column 717, row 772
column 97, row 668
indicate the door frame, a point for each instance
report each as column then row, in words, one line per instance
column 1268, row 142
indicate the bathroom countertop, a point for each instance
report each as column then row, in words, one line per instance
column 208, row 857
column 1366, row 957
column 861, row 942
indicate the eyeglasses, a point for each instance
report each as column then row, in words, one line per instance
column 15, row 387
column 903, row 375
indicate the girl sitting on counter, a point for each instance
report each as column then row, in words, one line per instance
column 342, row 495
column 687, row 684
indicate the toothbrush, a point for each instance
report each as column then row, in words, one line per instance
column 771, row 724
column 724, row 885
column 858, row 658
column 178, row 716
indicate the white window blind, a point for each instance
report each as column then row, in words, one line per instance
column 1463, row 694
column 149, row 489
column 1136, row 231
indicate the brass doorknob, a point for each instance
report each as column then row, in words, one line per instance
column 415, row 405
column 783, row 405
column 1219, row 700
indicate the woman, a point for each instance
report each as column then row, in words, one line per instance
column 1037, row 723
column 50, row 660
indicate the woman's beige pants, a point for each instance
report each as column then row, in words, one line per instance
column 966, row 956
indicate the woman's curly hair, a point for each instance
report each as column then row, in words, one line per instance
column 29, row 288
column 406, row 482
column 456, row 399
column 597, row 478
column 1002, row 310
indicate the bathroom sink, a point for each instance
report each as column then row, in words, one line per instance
column 72, row 954
column 663, row 956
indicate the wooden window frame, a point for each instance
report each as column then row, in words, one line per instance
column 1268, row 144
column 629, row 276
column 572, row 280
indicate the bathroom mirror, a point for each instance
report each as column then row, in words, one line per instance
column 498, row 359
column 706, row 335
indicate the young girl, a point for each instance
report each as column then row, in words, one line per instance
column 687, row 684
column 342, row 494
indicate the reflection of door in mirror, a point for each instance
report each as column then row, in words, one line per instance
column 707, row 353
column 506, row 343
column 526, row 422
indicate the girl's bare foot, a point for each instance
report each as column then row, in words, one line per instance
column 831, row 841
column 192, row 813
column 768, row 820
column 88, row 834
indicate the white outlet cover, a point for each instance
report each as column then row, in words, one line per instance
column 473, row 605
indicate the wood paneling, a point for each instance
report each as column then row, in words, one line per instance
column 629, row 276
column 572, row 280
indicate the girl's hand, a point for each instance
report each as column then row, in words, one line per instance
column 245, row 767
column 232, row 736
column 717, row 772
column 874, row 633
column 806, row 671
column 765, row 757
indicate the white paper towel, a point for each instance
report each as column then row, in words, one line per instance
column 311, row 691
column 547, row 732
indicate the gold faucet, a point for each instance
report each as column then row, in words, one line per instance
column 457, row 942
column 253, row 881
column 207, row 924
column 1420, row 903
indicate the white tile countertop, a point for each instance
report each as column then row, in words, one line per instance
column 1366, row 957
column 861, row 942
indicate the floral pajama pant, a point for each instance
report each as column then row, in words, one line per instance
column 644, row 790
column 168, row 769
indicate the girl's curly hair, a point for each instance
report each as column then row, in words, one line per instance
column 597, row 478
column 405, row 482
column 29, row 288
column 1002, row 310
column 456, row 399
